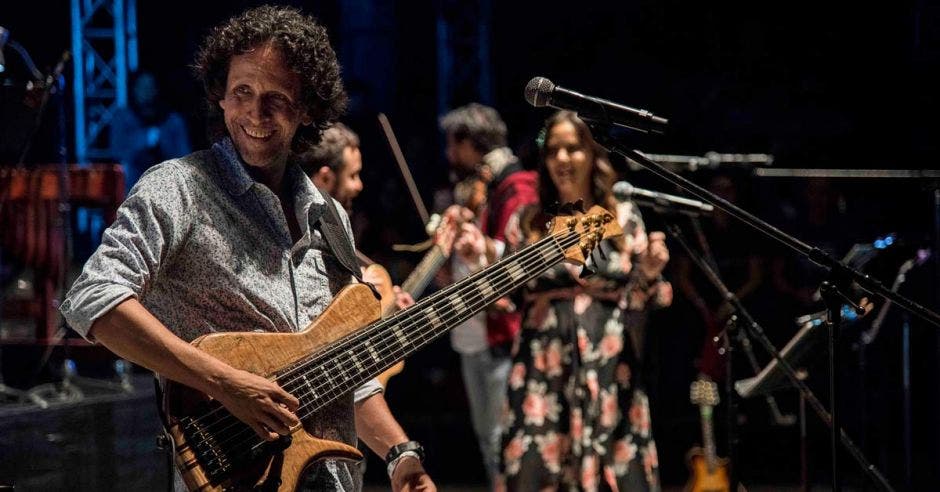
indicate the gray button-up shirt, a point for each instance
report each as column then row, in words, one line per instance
column 206, row 249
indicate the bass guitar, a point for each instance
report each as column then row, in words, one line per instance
column 345, row 346
column 415, row 284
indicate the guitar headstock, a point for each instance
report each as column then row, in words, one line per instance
column 591, row 228
column 704, row 392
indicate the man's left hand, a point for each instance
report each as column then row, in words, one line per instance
column 410, row 476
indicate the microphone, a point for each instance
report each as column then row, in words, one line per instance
column 541, row 92
column 712, row 160
column 660, row 202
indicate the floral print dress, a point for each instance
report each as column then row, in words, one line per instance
column 576, row 418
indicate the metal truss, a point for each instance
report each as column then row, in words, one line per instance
column 104, row 49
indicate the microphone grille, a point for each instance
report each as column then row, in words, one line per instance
column 539, row 91
column 622, row 190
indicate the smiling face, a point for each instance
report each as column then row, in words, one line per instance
column 262, row 108
column 569, row 162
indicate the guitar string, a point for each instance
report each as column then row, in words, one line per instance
column 536, row 252
column 392, row 348
column 381, row 326
column 385, row 339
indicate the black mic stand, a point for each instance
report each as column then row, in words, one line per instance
column 707, row 265
column 601, row 132
column 741, row 335
column 748, row 322
column 706, row 257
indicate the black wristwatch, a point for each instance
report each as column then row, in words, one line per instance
column 399, row 451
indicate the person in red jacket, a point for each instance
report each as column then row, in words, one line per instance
column 476, row 150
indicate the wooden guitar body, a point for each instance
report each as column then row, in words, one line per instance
column 704, row 480
column 348, row 344
column 709, row 473
column 265, row 354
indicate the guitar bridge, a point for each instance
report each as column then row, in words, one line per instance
column 221, row 452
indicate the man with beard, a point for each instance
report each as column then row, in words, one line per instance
column 334, row 165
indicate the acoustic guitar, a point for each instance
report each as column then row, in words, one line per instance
column 345, row 346
column 708, row 472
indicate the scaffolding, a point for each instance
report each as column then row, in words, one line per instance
column 104, row 48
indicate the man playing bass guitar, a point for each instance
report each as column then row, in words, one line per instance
column 236, row 238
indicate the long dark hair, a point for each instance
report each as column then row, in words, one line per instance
column 602, row 174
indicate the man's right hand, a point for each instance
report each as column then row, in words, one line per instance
column 132, row 332
column 258, row 402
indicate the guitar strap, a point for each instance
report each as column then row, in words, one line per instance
column 336, row 238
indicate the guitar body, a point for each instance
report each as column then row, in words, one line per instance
column 264, row 354
column 704, row 480
column 344, row 346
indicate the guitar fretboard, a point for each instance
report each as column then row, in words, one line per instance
column 708, row 437
column 360, row 356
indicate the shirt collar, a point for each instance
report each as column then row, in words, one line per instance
column 232, row 169
column 237, row 180
column 306, row 196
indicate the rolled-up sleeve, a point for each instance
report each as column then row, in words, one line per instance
column 371, row 387
column 149, row 225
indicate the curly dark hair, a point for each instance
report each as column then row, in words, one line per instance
column 305, row 46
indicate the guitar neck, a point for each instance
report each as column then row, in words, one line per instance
column 364, row 354
column 421, row 276
column 708, row 437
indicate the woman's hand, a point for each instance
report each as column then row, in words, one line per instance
column 655, row 257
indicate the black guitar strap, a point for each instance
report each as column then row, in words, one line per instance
column 335, row 234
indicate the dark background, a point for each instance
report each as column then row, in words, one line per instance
column 816, row 84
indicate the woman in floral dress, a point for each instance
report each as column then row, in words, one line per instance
column 577, row 419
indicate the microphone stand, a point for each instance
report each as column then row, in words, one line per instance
column 741, row 335
column 710, row 270
column 757, row 331
column 840, row 275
